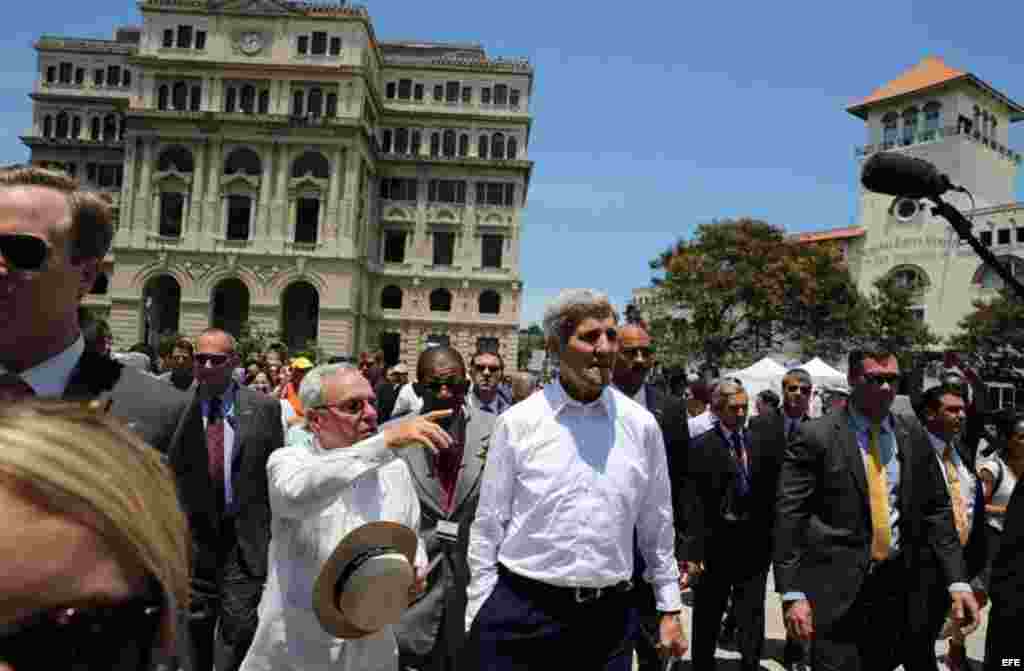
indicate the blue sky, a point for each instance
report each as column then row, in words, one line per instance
column 651, row 117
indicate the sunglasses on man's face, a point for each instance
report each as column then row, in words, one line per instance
column 97, row 638
column 23, row 252
column 214, row 359
column 804, row 389
column 878, row 379
column 490, row 369
column 455, row 386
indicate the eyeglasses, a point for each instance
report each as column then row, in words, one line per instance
column 97, row 638
column 215, row 359
column 803, row 389
column 631, row 352
column 356, row 406
column 490, row 369
column 455, row 385
column 23, row 252
column 881, row 378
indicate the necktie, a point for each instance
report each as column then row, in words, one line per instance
column 959, row 507
column 215, row 444
column 486, row 407
column 743, row 482
column 878, row 492
column 13, row 388
column 792, row 430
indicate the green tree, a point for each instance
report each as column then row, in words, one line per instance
column 891, row 325
column 530, row 338
column 994, row 331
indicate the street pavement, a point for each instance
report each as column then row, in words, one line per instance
column 775, row 638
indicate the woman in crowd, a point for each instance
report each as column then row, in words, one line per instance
column 93, row 548
column 999, row 476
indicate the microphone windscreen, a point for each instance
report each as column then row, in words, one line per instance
column 903, row 176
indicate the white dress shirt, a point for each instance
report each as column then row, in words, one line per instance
column 497, row 405
column 317, row 497
column 50, row 378
column 407, row 403
column 968, row 480
column 701, row 424
column 564, row 487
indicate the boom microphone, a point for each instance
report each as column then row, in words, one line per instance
column 903, row 176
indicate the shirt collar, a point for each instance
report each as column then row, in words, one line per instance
column 227, row 400
column 560, row 400
column 938, row 444
column 861, row 423
column 50, row 378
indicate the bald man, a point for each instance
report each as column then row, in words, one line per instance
column 632, row 367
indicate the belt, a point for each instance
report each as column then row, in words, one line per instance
column 577, row 594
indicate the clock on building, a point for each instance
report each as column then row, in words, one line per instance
column 250, row 43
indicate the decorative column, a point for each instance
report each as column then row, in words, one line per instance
column 281, row 210
column 351, row 192
column 213, row 187
column 263, row 225
column 333, row 195
column 222, row 226
column 143, row 206
column 196, row 209
column 128, row 189
column 148, row 86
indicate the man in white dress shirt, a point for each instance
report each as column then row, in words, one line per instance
column 571, row 472
column 320, row 490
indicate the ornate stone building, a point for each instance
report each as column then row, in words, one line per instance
column 272, row 162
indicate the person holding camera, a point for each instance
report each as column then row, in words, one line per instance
column 447, row 483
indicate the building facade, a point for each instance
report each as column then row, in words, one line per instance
column 273, row 163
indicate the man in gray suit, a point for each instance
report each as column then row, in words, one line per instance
column 53, row 238
column 431, row 632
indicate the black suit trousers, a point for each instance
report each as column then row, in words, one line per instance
column 729, row 569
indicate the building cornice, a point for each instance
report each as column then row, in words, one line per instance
column 457, row 161
column 71, row 99
column 404, row 117
column 70, row 143
column 519, row 66
column 265, row 70
column 83, row 45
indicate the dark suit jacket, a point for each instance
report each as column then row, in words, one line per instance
column 1006, row 587
column 387, row 394
column 823, row 523
column 420, row 626
column 148, row 406
column 712, row 476
column 258, row 432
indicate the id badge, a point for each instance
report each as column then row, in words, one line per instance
column 447, row 531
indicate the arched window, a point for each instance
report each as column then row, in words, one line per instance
column 909, row 277
column 101, row 284
column 401, row 141
column 297, row 103
column 247, row 101
column 435, row 144
column 51, row 74
column 264, row 102
column 94, row 128
column 512, row 148
column 332, row 105
column 316, row 103
column 391, row 298
column 416, row 142
column 498, row 146
column 500, row 94
column 179, row 96
column 490, row 302
column 932, row 116
column 161, row 97
column 126, row 78
column 463, row 145
column 311, row 163
column 175, row 158
column 440, row 300
column 482, row 145
column 47, row 126
column 62, row 124
column 986, row 278
column 449, row 143
column 243, row 160
column 196, row 99
column 385, row 141
column 76, row 127
column 109, row 128
column 890, row 128
column 909, row 125
column 390, row 90
column 231, row 99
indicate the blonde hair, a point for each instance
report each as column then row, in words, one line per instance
column 74, row 460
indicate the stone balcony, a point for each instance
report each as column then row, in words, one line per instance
column 938, row 135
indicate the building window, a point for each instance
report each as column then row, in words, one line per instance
column 1003, row 236
column 463, row 145
column 319, row 43
column 394, row 246
column 398, row 188
column 444, row 248
column 335, row 46
column 485, row 96
column 51, row 74
column 438, row 340
column 230, row 100
column 417, row 141
column 307, row 220
column 101, row 285
column 488, row 344
column 986, row 238
column 909, row 125
column 109, row 176
column 482, row 146
column 332, row 104
column 168, row 38
column 404, row 89
column 890, row 128
column 126, row 78
column 391, row 298
column 184, row 37
column 66, row 73
column 512, row 148
column 239, row 215
column 490, row 302
column 513, row 98
column 467, row 94
column 264, row 102
column 1020, row 234
column 303, row 44
column 449, row 143
column 94, row 128
column 315, row 103
column 500, row 94
column 297, row 103
column 97, row 77
column 76, row 127
column 401, row 141
column 932, row 116
column 390, row 91
column 446, row 191
column 175, row 158
column 179, row 96
column 247, row 100
column 200, row 39
column 440, row 300
column 986, row 277
column 498, row 146
column 490, row 252
column 113, row 75
column 452, row 90
column 438, row 93
column 63, row 127
column 385, row 142
column 79, row 76
column 196, row 99
column 48, row 126
column 161, row 97
column 90, row 172
column 495, row 193
column 417, row 92
column 172, row 207
column 435, row 144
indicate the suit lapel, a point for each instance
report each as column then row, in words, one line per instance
column 472, row 464
column 198, row 487
column 854, row 459
column 903, row 448
column 422, row 469
column 243, row 420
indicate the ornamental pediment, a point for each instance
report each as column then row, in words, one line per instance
column 172, row 178
column 255, row 7
column 240, row 180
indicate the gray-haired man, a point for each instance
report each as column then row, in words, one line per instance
column 571, row 472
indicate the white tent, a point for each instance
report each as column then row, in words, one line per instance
column 765, row 374
column 823, row 374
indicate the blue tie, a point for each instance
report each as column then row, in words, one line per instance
column 743, row 481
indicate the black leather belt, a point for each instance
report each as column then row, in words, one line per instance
column 577, row 594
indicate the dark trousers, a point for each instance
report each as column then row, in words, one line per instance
column 918, row 653
column 526, row 625
column 796, row 650
column 648, row 635
column 729, row 572
column 868, row 636
column 222, row 616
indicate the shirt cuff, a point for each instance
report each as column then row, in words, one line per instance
column 667, row 596
column 960, row 587
column 372, row 449
column 793, row 596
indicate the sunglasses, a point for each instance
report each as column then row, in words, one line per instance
column 354, row 407
column 490, row 369
column 455, row 385
column 879, row 379
column 97, row 638
column 215, row 359
column 803, row 389
column 24, row 253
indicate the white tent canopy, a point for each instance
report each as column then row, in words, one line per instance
column 765, row 374
column 823, row 374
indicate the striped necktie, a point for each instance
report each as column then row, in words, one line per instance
column 878, row 492
column 955, row 495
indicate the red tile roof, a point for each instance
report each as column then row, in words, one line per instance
column 830, row 234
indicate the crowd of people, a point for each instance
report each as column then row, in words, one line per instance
column 188, row 509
